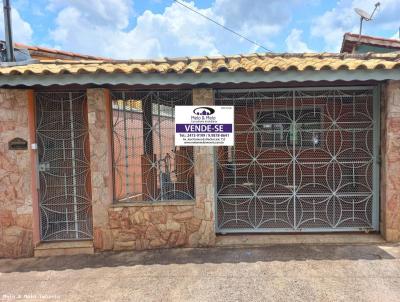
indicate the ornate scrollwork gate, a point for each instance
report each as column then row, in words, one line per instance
column 303, row 160
column 63, row 165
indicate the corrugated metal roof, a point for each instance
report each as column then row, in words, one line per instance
column 239, row 63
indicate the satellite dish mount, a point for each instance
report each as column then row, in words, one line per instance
column 365, row 16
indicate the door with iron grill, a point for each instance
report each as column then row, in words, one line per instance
column 304, row 160
column 63, row 166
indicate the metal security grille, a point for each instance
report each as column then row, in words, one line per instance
column 303, row 160
column 63, row 164
column 147, row 165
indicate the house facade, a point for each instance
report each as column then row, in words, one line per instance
column 88, row 158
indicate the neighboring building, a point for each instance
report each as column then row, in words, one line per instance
column 354, row 43
column 44, row 53
column 317, row 149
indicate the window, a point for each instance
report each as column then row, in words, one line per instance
column 278, row 128
column 147, row 165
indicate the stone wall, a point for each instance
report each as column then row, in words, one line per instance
column 390, row 168
column 167, row 224
column 100, row 165
column 15, row 177
column 145, row 227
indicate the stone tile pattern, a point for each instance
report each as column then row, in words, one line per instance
column 15, row 177
column 163, row 226
column 97, row 102
column 390, row 170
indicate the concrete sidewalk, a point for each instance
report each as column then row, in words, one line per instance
column 275, row 273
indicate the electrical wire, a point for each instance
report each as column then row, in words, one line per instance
column 223, row 26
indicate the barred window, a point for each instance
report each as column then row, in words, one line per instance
column 147, row 165
column 282, row 128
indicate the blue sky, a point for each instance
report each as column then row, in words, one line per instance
column 126, row 29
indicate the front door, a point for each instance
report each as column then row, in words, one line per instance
column 304, row 160
column 63, row 165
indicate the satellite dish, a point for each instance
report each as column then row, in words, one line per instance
column 363, row 14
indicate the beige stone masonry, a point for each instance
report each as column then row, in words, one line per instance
column 144, row 225
column 100, row 166
column 390, row 169
column 188, row 224
column 15, row 177
column 64, row 248
column 204, row 179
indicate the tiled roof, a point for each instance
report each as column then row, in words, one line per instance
column 51, row 53
column 239, row 63
column 352, row 40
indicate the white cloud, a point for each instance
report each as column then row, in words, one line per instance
column 294, row 43
column 153, row 36
column 89, row 27
column 334, row 23
column 111, row 13
column 22, row 30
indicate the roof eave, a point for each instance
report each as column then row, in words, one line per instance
column 197, row 79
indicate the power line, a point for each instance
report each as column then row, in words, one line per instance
column 223, row 26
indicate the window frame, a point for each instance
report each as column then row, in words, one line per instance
column 289, row 109
column 191, row 191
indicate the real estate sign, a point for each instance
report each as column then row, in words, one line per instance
column 204, row 125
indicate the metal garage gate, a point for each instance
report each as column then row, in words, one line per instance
column 304, row 160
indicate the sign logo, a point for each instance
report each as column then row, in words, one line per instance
column 203, row 111
column 204, row 126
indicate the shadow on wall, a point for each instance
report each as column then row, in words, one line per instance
column 199, row 256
